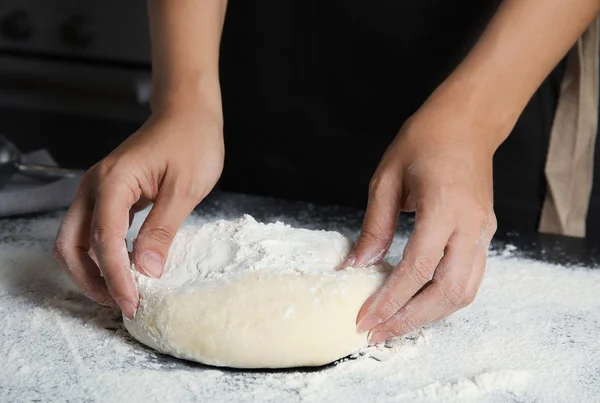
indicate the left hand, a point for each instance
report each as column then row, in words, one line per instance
column 439, row 166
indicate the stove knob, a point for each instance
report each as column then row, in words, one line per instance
column 16, row 26
column 75, row 32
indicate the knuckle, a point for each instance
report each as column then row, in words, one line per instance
column 389, row 307
column 402, row 324
column 483, row 216
column 484, row 220
column 421, row 269
column 103, row 168
column 480, row 216
column 431, row 206
column 186, row 189
column 455, row 294
column 409, row 325
column 469, row 297
column 373, row 236
column 381, row 184
column 96, row 237
column 160, row 235
column 115, row 180
column 492, row 223
column 99, row 236
column 91, row 174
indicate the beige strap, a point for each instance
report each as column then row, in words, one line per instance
column 570, row 160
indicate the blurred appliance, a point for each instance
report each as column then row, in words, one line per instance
column 79, row 69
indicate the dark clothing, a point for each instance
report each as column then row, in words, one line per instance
column 314, row 92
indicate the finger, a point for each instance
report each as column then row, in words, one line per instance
column 478, row 270
column 479, row 265
column 109, row 228
column 173, row 205
column 476, row 275
column 379, row 225
column 450, row 289
column 472, row 285
column 421, row 257
column 136, row 208
column 71, row 250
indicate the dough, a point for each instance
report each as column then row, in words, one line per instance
column 249, row 295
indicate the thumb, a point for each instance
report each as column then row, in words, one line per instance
column 379, row 225
column 156, row 235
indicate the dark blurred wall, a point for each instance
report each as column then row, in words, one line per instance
column 75, row 79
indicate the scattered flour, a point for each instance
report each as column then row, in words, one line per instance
column 531, row 336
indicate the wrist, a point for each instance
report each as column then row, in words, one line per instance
column 187, row 97
column 486, row 107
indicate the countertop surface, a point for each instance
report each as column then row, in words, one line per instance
column 530, row 336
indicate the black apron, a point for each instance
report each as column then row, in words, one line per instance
column 314, row 92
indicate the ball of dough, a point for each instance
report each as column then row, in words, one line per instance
column 249, row 295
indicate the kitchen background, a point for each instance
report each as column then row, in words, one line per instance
column 75, row 79
column 74, row 75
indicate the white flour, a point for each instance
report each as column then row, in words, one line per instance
column 532, row 335
column 235, row 247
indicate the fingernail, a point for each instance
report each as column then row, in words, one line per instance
column 367, row 324
column 152, row 264
column 109, row 302
column 378, row 337
column 348, row 262
column 127, row 308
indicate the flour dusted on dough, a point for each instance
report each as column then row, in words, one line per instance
column 249, row 295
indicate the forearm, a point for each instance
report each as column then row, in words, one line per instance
column 522, row 44
column 185, row 36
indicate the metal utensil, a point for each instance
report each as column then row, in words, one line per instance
column 10, row 164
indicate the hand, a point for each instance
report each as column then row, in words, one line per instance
column 173, row 161
column 439, row 166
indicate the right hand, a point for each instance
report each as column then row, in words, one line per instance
column 172, row 161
